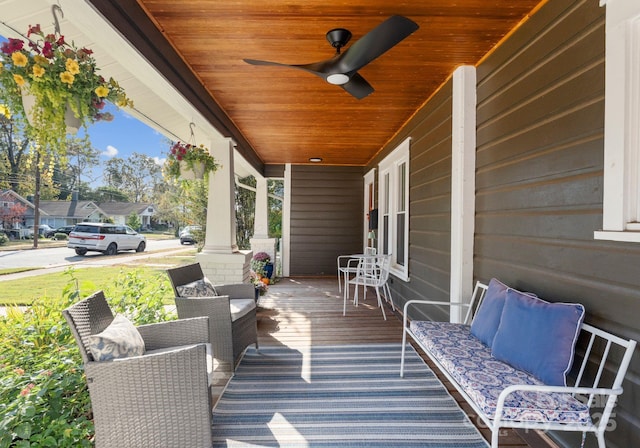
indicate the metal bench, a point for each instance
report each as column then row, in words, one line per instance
column 595, row 391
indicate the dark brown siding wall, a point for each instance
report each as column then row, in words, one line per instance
column 326, row 217
column 429, row 203
column 539, row 181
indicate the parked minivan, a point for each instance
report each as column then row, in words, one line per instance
column 106, row 238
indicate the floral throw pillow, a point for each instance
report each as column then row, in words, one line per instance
column 199, row 288
column 120, row 339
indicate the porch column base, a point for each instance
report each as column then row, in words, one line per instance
column 226, row 268
column 267, row 245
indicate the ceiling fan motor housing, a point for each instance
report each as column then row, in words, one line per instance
column 338, row 38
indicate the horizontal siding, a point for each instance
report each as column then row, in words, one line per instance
column 326, row 217
column 429, row 204
column 539, row 181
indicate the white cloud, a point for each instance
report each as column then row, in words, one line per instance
column 110, row 152
column 159, row 161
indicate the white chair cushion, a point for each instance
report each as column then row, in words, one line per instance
column 240, row 307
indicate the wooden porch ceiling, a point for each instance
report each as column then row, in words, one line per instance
column 288, row 116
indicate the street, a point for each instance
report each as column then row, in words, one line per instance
column 62, row 256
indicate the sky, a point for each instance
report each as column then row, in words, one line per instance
column 122, row 137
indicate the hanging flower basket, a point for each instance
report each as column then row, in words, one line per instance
column 189, row 162
column 29, row 102
column 55, row 86
column 196, row 171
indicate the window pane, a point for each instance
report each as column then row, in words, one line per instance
column 386, row 193
column 400, row 257
column 402, row 172
column 385, row 243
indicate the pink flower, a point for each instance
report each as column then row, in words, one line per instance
column 24, row 392
column 34, row 30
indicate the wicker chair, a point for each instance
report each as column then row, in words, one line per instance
column 161, row 398
column 230, row 332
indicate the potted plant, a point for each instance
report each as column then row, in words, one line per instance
column 47, row 79
column 261, row 265
column 261, row 284
column 187, row 161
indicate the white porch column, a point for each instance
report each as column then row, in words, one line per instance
column 220, row 259
column 261, row 241
column 463, row 181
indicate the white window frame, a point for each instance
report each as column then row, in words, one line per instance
column 369, row 192
column 621, row 195
column 390, row 167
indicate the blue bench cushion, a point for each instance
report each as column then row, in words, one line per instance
column 483, row 377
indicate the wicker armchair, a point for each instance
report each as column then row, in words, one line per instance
column 161, row 398
column 232, row 313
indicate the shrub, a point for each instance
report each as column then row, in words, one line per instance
column 60, row 236
column 44, row 400
column 3, row 238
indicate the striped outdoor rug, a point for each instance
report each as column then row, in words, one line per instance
column 338, row 396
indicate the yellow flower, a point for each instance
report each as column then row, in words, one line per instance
column 19, row 59
column 41, row 60
column 18, row 79
column 102, row 91
column 4, row 111
column 72, row 66
column 38, row 71
column 67, row 78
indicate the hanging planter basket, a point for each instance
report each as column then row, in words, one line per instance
column 191, row 171
column 187, row 161
column 72, row 122
column 56, row 85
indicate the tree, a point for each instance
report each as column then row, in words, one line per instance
column 82, row 159
column 137, row 175
column 103, row 194
column 245, row 212
column 12, row 215
column 133, row 221
column 275, row 188
column 14, row 147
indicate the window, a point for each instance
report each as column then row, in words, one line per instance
column 369, row 227
column 393, row 203
column 621, row 200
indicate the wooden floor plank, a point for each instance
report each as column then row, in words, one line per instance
column 301, row 312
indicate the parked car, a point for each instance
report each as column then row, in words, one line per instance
column 63, row 229
column 189, row 234
column 42, row 230
column 106, row 238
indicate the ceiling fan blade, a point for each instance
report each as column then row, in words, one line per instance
column 317, row 68
column 375, row 43
column 358, row 86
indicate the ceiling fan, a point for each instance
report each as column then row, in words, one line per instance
column 342, row 68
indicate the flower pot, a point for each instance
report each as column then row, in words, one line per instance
column 188, row 173
column 73, row 123
column 268, row 270
column 29, row 103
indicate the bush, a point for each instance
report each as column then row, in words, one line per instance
column 3, row 238
column 60, row 236
column 44, row 400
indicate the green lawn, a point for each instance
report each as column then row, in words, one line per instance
column 23, row 291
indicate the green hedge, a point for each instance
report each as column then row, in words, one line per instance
column 44, row 400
